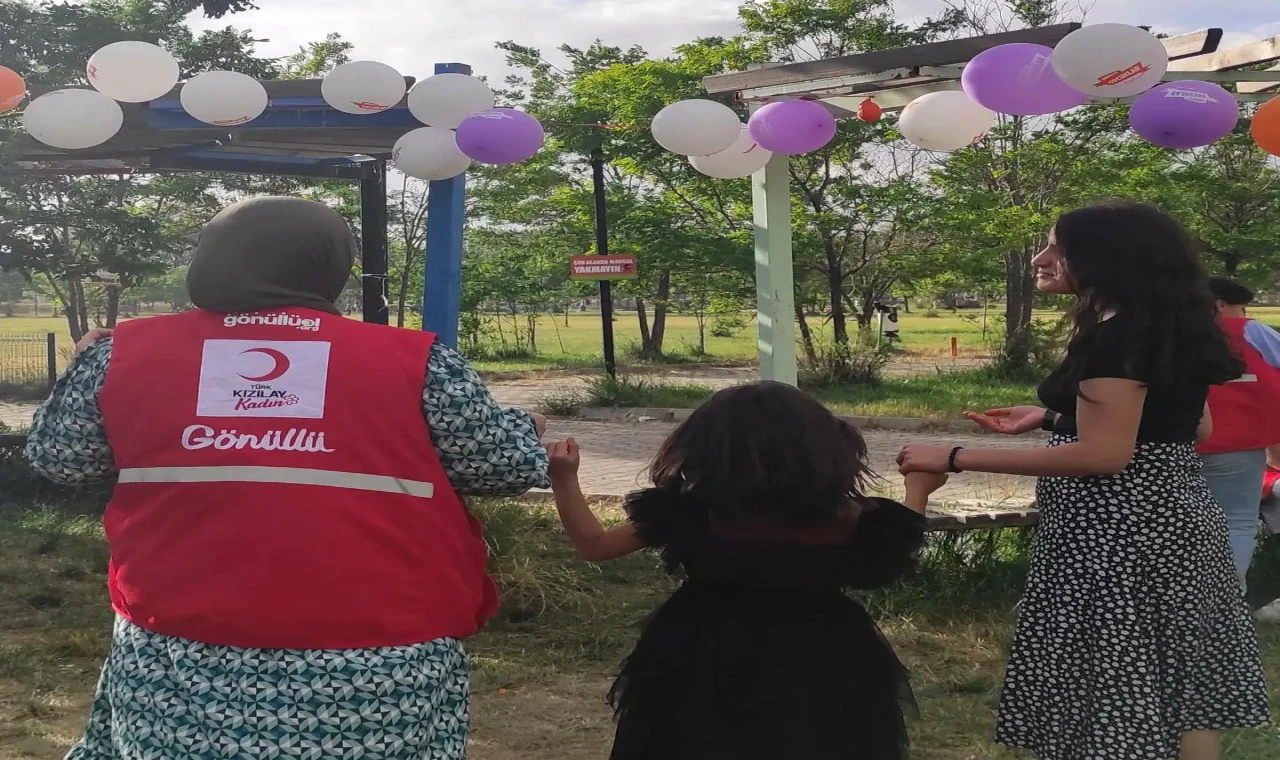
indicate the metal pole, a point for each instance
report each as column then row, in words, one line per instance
column 373, row 238
column 602, row 249
column 51, row 356
column 442, row 259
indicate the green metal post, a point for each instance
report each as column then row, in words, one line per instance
column 775, row 289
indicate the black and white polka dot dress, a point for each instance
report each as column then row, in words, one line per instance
column 1133, row 628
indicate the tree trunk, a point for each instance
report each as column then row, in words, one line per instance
column 113, row 307
column 654, row 349
column 69, row 302
column 1020, row 297
column 835, row 292
column 806, row 336
column 643, row 316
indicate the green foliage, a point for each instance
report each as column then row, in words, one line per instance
column 843, row 364
column 605, row 391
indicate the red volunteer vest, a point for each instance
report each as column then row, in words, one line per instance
column 1246, row 412
column 279, row 487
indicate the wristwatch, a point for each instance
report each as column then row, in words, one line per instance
column 1050, row 420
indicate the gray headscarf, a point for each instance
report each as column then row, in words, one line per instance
column 271, row 252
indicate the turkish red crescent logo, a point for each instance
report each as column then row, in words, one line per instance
column 281, row 364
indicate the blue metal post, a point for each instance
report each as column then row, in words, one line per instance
column 442, row 267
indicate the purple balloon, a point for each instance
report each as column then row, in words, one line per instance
column 1017, row 79
column 1184, row 114
column 500, row 136
column 792, row 127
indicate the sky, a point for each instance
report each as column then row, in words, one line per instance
column 412, row 35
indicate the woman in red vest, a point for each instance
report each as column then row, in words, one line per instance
column 1246, row 419
column 292, row 566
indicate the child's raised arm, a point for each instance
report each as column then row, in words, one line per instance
column 591, row 542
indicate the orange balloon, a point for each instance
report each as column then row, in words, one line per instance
column 1266, row 127
column 12, row 89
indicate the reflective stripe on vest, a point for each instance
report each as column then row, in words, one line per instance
column 289, row 475
column 1245, row 379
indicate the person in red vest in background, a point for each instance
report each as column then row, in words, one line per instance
column 1246, row 419
column 292, row 565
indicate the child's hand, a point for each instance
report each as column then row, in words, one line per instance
column 921, row 484
column 565, row 459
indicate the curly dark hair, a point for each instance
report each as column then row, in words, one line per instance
column 765, row 451
column 1139, row 262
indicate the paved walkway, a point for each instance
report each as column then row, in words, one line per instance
column 615, row 455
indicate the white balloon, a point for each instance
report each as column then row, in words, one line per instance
column 429, row 153
column 133, row 72
column 73, row 119
column 363, row 87
column 696, row 127
column 1110, row 60
column 224, row 98
column 446, row 100
column 744, row 158
column 945, row 121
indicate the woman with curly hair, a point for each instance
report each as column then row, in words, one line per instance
column 1133, row 639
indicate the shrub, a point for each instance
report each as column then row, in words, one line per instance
column 629, row 392
column 844, row 364
column 728, row 324
column 563, row 404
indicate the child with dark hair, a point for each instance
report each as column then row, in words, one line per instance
column 758, row 501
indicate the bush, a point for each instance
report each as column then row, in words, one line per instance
column 564, row 404
column 628, row 392
column 728, row 324
column 844, row 364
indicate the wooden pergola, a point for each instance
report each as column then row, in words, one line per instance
column 893, row 78
column 299, row 135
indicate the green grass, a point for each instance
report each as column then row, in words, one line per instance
column 943, row 395
column 577, row 344
column 541, row 668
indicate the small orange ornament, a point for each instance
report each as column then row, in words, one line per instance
column 1266, row 127
column 869, row 111
column 12, row 89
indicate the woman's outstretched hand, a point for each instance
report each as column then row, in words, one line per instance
column 1013, row 421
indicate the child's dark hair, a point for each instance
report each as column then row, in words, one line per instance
column 1230, row 292
column 765, row 451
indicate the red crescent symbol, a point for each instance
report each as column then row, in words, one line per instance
column 281, row 364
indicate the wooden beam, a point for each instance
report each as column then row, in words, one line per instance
column 1193, row 43
column 896, row 99
column 932, row 54
column 1262, row 51
column 1244, row 87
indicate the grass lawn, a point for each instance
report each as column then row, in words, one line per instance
column 541, row 669
column 577, row 344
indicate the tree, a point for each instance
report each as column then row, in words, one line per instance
column 1228, row 194
column 408, row 221
column 63, row 229
column 213, row 8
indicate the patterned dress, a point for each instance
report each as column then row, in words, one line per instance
column 165, row 698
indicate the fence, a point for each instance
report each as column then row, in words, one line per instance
column 28, row 364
